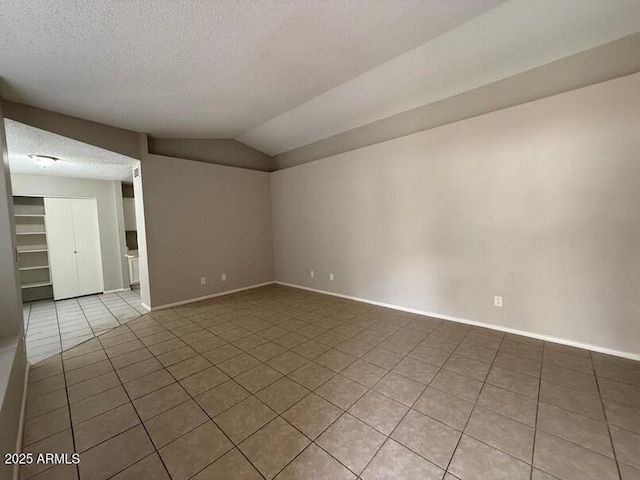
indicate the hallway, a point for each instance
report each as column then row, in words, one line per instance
column 52, row 327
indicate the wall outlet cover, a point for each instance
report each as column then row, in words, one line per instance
column 497, row 301
column 331, row 276
column 312, row 274
column 203, row 280
column 223, row 277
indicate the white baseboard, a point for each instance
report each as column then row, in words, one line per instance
column 23, row 412
column 146, row 307
column 547, row 338
column 213, row 295
column 117, row 290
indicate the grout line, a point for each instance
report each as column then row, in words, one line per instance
column 535, row 423
column 606, row 420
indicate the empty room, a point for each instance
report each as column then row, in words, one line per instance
column 320, row 239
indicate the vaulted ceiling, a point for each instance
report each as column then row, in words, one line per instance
column 279, row 75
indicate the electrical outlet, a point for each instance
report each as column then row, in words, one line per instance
column 331, row 276
column 223, row 277
column 203, row 280
column 312, row 274
column 497, row 301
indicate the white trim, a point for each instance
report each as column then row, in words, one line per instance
column 145, row 306
column 548, row 338
column 213, row 295
column 23, row 411
column 116, row 290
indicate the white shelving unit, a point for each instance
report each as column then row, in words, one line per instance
column 33, row 256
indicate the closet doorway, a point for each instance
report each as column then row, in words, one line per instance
column 73, row 238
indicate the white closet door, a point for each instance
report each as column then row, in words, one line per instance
column 87, row 242
column 61, row 244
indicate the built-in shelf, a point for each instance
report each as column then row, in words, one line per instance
column 31, row 239
column 32, row 250
column 35, row 284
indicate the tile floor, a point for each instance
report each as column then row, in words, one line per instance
column 52, row 327
column 281, row 383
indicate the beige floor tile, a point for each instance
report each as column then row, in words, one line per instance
column 582, row 382
column 287, row 362
column 46, row 425
column 149, row 383
column 569, row 461
column 131, row 358
column 394, row 461
column 416, row 370
column 515, row 382
column 365, row 373
column 400, row 388
column 508, row 403
column 427, row 437
column 620, row 392
column 311, row 349
column 258, row 378
column 59, row 472
column 335, row 360
column 244, row 419
column 137, row 370
column 160, row 401
column 341, row 391
column 378, row 411
column 272, row 447
column 315, row 464
column 627, row 446
column 192, row 452
column 503, row 433
column 312, row 415
column 266, row 351
column 88, row 372
column 444, row 407
column 311, row 375
column 515, row 363
column 102, row 427
column 628, row 472
column 98, row 404
column 382, row 357
column 282, row 394
column 352, row 442
column 60, row 443
column 48, row 402
column 47, row 385
column 116, row 454
column 90, row 387
column 623, row 416
column 231, row 465
column 472, row 457
column 575, row 428
column 174, row 423
column 430, row 354
column 221, row 398
column 149, row 468
column 202, row 381
column 467, row 366
column 238, row 364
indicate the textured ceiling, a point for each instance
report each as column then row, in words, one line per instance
column 203, row 68
column 77, row 159
column 280, row 74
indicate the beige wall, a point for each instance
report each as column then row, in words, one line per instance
column 202, row 220
column 110, row 216
column 538, row 203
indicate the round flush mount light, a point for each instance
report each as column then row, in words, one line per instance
column 44, row 160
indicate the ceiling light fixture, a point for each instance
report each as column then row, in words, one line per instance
column 44, row 160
